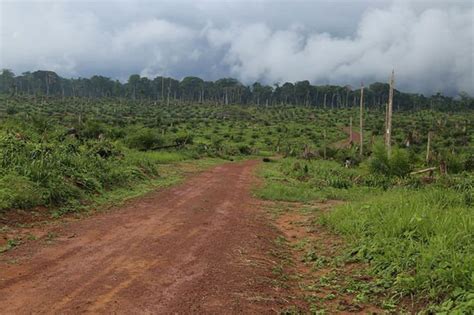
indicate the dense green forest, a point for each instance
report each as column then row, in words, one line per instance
column 223, row 91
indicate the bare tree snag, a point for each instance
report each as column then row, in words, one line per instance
column 324, row 137
column 361, row 120
column 169, row 92
column 428, row 147
column 162, row 89
column 426, row 170
column 351, row 140
column 388, row 138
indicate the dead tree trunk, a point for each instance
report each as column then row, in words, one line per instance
column 169, row 93
column 162, row 89
column 324, row 149
column 388, row 139
column 350, row 131
column 361, row 120
column 428, row 147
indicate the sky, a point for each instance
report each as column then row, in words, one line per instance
column 428, row 43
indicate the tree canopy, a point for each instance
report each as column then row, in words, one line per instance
column 222, row 91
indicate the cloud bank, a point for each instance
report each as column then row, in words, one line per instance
column 429, row 44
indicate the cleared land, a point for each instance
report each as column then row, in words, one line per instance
column 177, row 250
column 204, row 246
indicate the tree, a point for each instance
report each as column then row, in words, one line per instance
column 133, row 81
column 222, row 91
column 49, row 81
column 192, row 88
column 302, row 92
column 7, row 81
column 288, row 93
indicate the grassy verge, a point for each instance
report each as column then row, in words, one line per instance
column 171, row 173
column 17, row 231
column 417, row 240
column 420, row 242
column 295, row 180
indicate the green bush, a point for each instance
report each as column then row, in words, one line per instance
column 469, row 163
column 245, row 149
column 183, row 138
column 144, row 139
column 379, row 162
column 50, row 169
column 92, row 130
column 19, row 192
column 398, row 164
column 454, row 163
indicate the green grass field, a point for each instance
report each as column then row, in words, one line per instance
column 418, row 240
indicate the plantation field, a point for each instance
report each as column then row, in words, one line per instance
column 412, row 234
column 61, row 150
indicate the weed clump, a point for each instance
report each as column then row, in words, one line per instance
column 398, row 164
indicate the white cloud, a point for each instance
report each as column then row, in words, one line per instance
column 431, row 50
column 151, row 32
column 430, row 44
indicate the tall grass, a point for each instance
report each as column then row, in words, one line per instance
column 160, row 157
column 297, row 180
column 421, row 241
column 45, row 166
column 418, row 239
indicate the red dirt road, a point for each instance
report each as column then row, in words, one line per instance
column 346, row 143
column 200, row 247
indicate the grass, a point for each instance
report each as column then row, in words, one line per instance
column 11, row 243
column 170, row 174
column 418, row 240
column 161, row 157
column 42, row 165
column 296, row 180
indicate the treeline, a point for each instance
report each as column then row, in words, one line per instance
column 223, row 91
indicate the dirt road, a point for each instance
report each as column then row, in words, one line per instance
column 347, row 143
column 199, row 247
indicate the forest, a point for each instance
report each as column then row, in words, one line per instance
column 223, row 91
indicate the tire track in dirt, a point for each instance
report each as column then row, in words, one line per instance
column 193, row 248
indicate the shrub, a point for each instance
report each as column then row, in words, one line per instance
column 183, row 138
column 144, row 139
column 92, row 130
column 11, row 110
column 398, row 164
column 454, row 164
column 19, row 192
column 469, row 163
column 245, row 149
column 379, row 163
column 103, row 148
